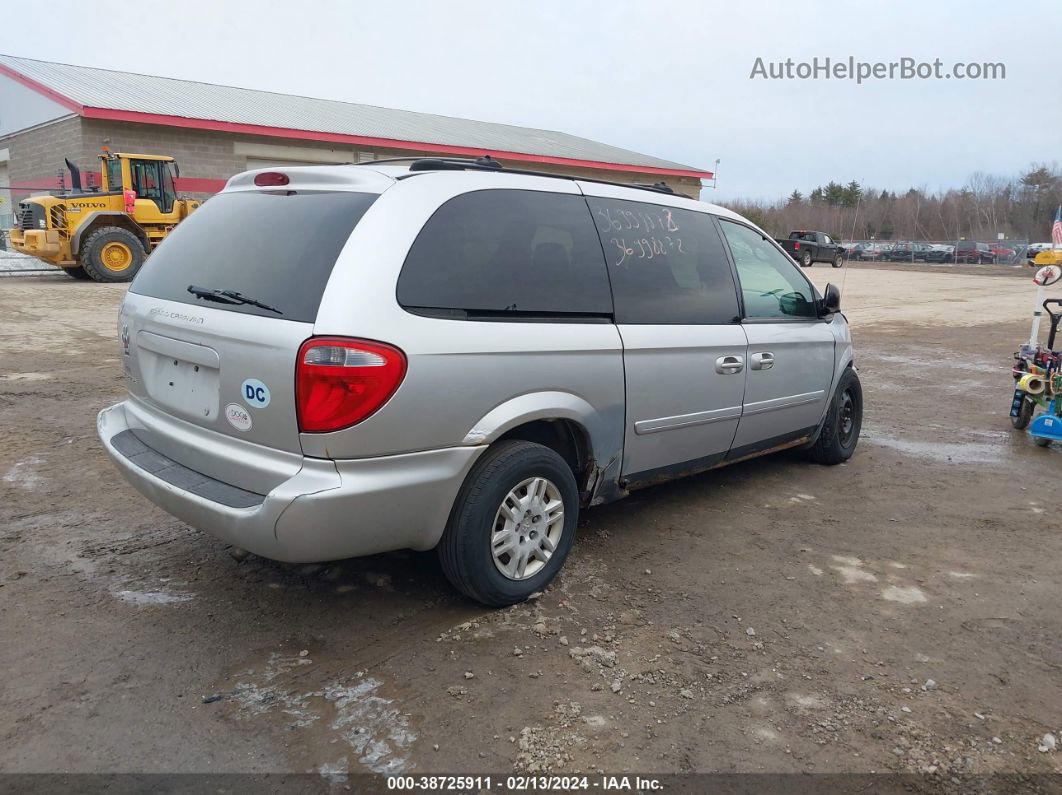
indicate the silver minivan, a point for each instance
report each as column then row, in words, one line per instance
column 325, row 362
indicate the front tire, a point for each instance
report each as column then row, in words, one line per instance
column 838, row 261
column 1041, row 441
column 77, row 273
column 844, row 419
column 512, row 524
column 1021, row 422
column 112, row 254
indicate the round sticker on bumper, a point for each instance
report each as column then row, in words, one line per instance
column 255, row 393
column 238, row 417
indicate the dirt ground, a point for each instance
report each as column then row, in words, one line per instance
column 900, row 613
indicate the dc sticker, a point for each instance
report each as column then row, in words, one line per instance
column 255, row 393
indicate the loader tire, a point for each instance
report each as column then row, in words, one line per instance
column 112, row 254
column 77, row 273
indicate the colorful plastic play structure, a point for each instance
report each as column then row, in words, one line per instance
column 1038, row 369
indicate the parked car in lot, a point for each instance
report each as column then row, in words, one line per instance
column 808, row 247
column 1003, row 255
column 875, row 252
column 326, row 362
column 854, row 251
column 908, row 252
column 969, row 251
column 940, row 252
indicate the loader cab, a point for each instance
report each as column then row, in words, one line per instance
column 151, row 178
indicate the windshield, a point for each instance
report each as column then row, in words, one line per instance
column 278, row 249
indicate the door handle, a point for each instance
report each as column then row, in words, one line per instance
column 761, row 361
column 728, row 365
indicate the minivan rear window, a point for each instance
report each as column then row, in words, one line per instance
column 275, row 248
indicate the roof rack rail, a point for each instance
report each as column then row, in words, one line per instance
column 488, row 163
column 485, row 163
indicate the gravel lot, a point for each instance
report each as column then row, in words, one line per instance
column 899, row 613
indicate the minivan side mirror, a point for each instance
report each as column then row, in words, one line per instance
column 831, row 301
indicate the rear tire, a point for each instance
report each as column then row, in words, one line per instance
column 1041, row 441
column 472, row 551
column 844, row 419
column 805, row 259
column 77, row 273
column 112, row 254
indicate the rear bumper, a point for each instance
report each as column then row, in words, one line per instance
column 327, row 510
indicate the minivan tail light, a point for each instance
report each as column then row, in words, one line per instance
column 270, row 179
column 341, row 381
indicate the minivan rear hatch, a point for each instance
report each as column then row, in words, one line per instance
column 213, row 322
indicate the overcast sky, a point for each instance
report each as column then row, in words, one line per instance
column 666, row 78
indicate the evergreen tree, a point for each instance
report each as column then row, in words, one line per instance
column 852, row 194
column 834, row 193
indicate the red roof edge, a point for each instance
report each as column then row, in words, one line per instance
column 42, row 89
column 111, row 114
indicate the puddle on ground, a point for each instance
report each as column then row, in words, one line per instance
column 927, row 361
column 944, row 452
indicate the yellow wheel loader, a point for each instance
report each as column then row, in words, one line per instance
column 104, row 233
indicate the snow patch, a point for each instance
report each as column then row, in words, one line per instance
column 375, row 729
column 24, row 474
column 854, row 574
column 908, row 595
column 152, row 597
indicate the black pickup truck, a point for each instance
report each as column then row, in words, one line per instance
column 808, row 247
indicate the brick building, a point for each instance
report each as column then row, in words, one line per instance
column 49, row 111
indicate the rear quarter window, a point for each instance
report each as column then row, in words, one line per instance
column 667, row 265
column 277, row 248
column 507, row 254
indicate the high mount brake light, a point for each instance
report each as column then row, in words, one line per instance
column 270, row 179
column 341, row 381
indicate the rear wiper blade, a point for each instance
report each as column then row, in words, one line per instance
column 229, row 297
column 210, row 295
